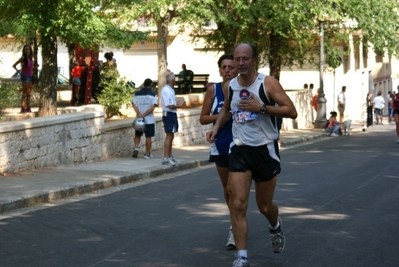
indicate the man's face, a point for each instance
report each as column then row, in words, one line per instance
column 228, row 70
column 244, row 61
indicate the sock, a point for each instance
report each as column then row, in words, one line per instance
column 275, row 227
column 242, row 253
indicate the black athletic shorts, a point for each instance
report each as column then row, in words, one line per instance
column 262, row 161
column 220, row 160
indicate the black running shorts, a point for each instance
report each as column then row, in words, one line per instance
column 262, row 161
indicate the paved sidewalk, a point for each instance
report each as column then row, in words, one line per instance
column 36, row 187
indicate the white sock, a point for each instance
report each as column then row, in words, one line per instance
column 275, row 227
column 242, row 253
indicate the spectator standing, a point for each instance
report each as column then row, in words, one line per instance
column 395, row 111
column 213, row 102
column 26, row 70
column 369, row 105
column 341, row 104
column 379, row 104
column 144, row 103
column 256, row 101
column 76, row 73
column 391, row 119
column 169, row 117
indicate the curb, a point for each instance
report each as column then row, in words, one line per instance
column 84, row 188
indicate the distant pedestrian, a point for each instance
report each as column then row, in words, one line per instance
column 379, row 104
column 169, row 117
column 26, row 72
column 395, row 108
column 342, row 104
column 213, row 102
column 332, row 126
column 144, row 103
column 76, row 73
column 391, row 119
column 369, row 106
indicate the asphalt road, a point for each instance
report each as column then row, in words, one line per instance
column 338, row 199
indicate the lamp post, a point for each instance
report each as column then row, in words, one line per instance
column 321, row 101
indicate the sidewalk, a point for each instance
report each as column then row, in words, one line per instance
column 37, row 187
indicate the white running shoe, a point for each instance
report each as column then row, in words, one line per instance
column 241, row 262
column 148, row 156
column 334, row 135
column 231, row 244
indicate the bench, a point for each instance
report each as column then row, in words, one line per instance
column 199, row 84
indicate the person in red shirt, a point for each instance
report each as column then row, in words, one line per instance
column 76, row 73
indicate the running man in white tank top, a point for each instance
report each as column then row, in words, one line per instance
column 255, row 100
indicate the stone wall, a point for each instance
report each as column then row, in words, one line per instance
column 83, row 137
column 82, row 134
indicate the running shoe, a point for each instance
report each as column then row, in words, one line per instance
column 148, row 156
column 334, row 135
column 135, row 153
column 241, row 262
column 230, row 240
column 168, row 161
column 277, row 238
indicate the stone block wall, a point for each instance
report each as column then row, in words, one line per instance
column 50, row 141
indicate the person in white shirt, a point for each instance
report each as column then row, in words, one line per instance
column 341, row 104
column 379, row 104
column 144, row 103
column 169, row 117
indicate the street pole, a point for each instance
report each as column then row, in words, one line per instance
column 321, row 101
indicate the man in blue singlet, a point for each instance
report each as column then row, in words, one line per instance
column 255, row 100
column 213, row 102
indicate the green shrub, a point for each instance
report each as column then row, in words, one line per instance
column 10, row 95
column 115, row 93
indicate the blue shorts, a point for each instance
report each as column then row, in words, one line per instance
column 76, row 81
column 26, row 79
column 170, row 122
column 149, row 131
column 378, row 111
column 220, row 160
column 262, row 161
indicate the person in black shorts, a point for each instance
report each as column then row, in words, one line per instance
column 255, row 102
column 213, row 102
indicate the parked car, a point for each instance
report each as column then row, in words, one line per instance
column 61, row 78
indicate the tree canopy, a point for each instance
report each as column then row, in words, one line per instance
column 68, row 21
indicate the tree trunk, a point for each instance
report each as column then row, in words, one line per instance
column 162, row 45
column 274, row 55
column 49, row 77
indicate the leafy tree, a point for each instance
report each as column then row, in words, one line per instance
column 68, row 21
column 162, row 14
column 286, row 31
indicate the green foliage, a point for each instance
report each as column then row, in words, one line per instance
column 9, row 95
column 115, row 93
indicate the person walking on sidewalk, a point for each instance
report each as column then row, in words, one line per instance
column 213, row 102
column 255, row 101
column 395, row 111
column 379, row 104
column 28, row 66
column 341, row 104
column 144, row 103
column 169, row 117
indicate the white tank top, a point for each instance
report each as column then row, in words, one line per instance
column 263, row 129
